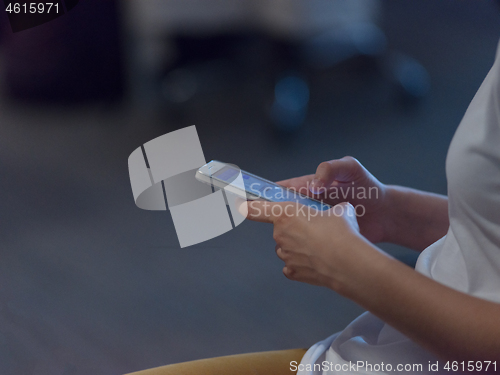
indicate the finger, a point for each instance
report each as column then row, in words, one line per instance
column 297, row 182
column 288, row 273
column 300, row 185
column 241, row 206
column 265, row 211
column 343, row 209
column 342, row 170
column 279, row 251
column 348, row 212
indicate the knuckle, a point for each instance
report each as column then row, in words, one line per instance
column 323, row 167
column 283, row 254
column 280, row 255
column 289, row 273
column 352, row 162
column 343, row 209
column 282, row 219
column 277, row 235
column 350, row 159
column 288, row 222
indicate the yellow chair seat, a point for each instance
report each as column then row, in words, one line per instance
column 262, row 363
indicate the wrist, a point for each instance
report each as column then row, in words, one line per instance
column 389, row 213
column 413, row 218
column 363, row 263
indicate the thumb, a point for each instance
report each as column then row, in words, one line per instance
column 342, row 170
column 348, row 212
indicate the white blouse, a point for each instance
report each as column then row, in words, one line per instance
column 466, row 259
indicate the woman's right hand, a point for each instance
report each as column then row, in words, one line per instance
column 346, row 180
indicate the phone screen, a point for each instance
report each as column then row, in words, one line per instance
column 267, row 190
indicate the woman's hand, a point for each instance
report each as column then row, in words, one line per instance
column 346, row 180
column 329, row 251
column 318, row 247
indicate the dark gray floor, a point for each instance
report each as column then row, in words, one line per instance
column 90, row 284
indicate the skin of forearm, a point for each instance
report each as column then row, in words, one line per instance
column 415, row 219
column 448, row 323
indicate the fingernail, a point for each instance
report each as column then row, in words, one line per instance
column 316, row 185
column 243, row 208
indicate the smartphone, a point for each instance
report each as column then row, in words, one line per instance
column 249, row 186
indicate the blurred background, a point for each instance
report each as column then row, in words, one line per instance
column 89, row 283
